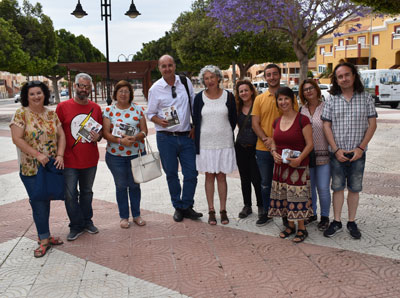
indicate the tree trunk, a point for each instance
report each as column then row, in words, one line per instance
column 54, row 81
column 303, row 68
column 244, row 68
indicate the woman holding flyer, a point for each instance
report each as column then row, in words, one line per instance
column 124, row 127
column 292, row 143
column 214, row 118
column 40, row 139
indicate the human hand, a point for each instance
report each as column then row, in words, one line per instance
column 267, row 142
column 59, row 163
column 191, row 133
column 340, row 155
column 277, row 157
column 94, row 136
column 358, row 153
column 127, row 141
column 43, row 159
column 294, row 162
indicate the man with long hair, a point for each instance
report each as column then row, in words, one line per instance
column 349, row 123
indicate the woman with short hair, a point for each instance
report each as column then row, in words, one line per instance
column 214, row 118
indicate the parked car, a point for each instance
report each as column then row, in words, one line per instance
column 17, row 97
column 64, row 93
column 324, row 91
column 383, row 85
column 261, row 86
column 295, row 90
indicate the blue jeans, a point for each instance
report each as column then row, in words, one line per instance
column 40, row 209
column 172, row 149
column 79, row 204
column 121, row 169
column 265, row 163
column 320, row 177
column 350, row 172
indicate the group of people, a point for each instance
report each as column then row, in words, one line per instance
column 289, row 155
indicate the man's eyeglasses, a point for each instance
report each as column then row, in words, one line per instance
column 173, row 89
column 309, row 89
column 34, row 83
column 82, row 86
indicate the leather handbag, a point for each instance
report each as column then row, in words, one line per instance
column 146, row 167
column 49, row 184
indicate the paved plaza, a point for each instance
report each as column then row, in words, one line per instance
column 192, row 258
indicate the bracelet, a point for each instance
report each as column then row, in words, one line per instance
column 361, row 148
column 336, row 150
column 119, row 141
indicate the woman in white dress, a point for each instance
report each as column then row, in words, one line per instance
column 214, row 118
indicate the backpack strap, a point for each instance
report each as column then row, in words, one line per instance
column 184, row 82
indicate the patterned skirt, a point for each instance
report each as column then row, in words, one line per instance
column 290, row 193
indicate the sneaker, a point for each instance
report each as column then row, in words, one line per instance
column 246, row 211
column 323, row 224
column 353, row 230
column 334, row 227
column 261, row 211
column 263, row 220
column 91, row 229
column 310, row 219
column 73, row 235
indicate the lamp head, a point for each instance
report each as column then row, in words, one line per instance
column 79, row 12
column 132, row 12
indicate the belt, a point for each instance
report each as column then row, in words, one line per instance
column 174, row 133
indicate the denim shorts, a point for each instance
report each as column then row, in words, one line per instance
column 350, row 172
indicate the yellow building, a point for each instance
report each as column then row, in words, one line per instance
column 371, row 42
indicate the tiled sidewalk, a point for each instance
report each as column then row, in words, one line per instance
column 192, row 258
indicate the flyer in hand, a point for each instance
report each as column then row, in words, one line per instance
column 171, row 115
column 87, row 127
column 289, row 153
column 121, row 129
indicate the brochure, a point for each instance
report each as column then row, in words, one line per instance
column 171, row 115
column 87, row 127
column 289, row 153
column 121, row 128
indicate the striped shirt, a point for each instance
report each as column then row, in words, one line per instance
column 349, row 118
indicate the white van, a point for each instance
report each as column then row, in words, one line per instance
column 260, row 86
column 383, row 84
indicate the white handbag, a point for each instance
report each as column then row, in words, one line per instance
column 146, row 167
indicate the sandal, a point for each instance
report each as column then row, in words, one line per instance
column 139, row 221
column 224, row 217
column 41, row 250
column 300, row 237
column 287, row 232
column 53, row 241
column 124, row 223
column 211, row 218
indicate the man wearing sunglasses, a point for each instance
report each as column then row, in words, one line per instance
column 175, row 143
column 80, row 157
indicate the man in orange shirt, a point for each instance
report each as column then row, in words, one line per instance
column 264, row 113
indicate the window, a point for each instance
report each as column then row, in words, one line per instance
column 341, row 43
column 375, row 39
column 321, row 68
column 321, row 50
column 361, row 40
column 397, row 29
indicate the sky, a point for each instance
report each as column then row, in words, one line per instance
column 126, row 35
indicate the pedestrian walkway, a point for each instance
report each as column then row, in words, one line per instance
column 194, row 259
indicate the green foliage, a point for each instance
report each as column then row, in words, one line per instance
column 12, row 57
column 384, row 6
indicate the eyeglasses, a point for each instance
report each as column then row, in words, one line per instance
column 83, row 86
column 309, row 89
column 34, row 83
column 173, row 89
column 124, row 92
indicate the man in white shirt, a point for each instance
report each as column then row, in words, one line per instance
column 176, row 142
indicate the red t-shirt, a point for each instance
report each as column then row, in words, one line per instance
column 293, row 137
column 78, row 154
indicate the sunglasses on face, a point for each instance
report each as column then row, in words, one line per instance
column 173, row 89
column 34, row 83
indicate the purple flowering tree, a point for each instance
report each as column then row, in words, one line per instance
column 305, row 21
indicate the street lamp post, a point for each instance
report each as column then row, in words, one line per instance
column 106, row 15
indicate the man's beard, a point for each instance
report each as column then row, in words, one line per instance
column 82, row 95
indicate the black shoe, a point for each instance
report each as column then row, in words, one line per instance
column 246, row 211
column 91, row 229
column 263, row 220
column 323, row 224
column 261, row 211
column 353, row 230
column 310, row 219
column 178, row 215
column 285, row 221
column 73, row 235
column 190, row 213
column 334, row 227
